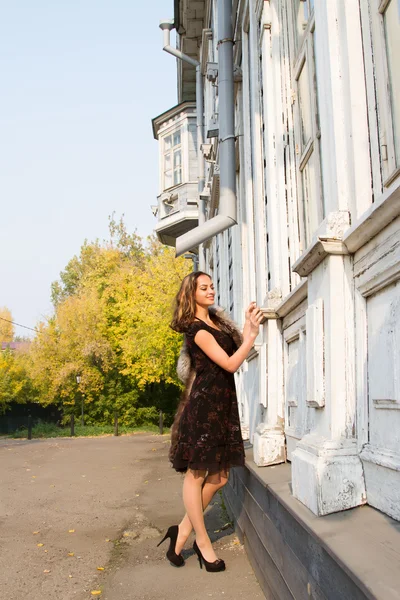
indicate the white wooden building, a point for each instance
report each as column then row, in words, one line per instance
column 316, row 105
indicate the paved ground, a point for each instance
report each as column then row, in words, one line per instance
column 70, row 506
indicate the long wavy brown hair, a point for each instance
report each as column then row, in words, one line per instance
column 185, row 302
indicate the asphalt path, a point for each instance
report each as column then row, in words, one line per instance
column 80, row 518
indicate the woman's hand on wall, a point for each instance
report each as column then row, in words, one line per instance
column 255, row 319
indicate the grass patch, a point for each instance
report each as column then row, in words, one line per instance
column 51, row 430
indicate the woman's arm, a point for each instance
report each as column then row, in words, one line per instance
column 207, row 342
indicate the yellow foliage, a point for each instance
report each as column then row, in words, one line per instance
column 111, row 327
column 6, row 328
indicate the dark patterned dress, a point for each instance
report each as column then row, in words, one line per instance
column 209, row 436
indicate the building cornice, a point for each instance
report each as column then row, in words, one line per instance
column 169, row 114
column 317, row 252
column 376, row 218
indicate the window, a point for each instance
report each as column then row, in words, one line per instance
column 172, row 160
column 390, row 11
column 385, row 18
column 307, row 134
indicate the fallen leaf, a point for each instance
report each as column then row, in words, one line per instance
column 217, row 530
column 71, row 553
column 35, row 532
column 46, row 550
column 95, row 592
column 70, row 576
column 129, row 533
column 107, row 540
column 146, row 482
column 71, row 530
column 137, row 495
column 40, row 545
column 100, row 568
column 153, row 449
column 33, row 476
column 46, row 571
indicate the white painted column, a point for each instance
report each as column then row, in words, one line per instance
column 269, row 438
column 327, row 474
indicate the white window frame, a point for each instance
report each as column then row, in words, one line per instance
column 310, row 214
column 172, row 151
column 389, row 167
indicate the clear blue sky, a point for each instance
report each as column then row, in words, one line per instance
column 80, row 81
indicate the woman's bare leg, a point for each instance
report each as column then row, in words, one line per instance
column 210, row 486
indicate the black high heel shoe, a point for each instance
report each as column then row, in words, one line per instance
column 212, row 567
column 172, row 534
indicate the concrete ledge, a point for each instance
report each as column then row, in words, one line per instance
column 352, row 555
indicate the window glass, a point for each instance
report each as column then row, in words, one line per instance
column 177, row 138
column 167, row 179
column 177, row 158
column 167, row 143
column 305, row 105
column 177, row 167
column 392, row 32
column 177, row 176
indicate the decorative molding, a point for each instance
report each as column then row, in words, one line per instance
column 381, row 457
column 386, row 404
column 206, row 36
column 207, row 150
column 380, row 266
column 189, row 108
column 317, row 252
column 376, row 218
column 327, row 240
column 315, row 349
column 212, row 72
column 292, row 301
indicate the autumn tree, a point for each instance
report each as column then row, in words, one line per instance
column 16, row 384
column 6, row 326
column 113, row 306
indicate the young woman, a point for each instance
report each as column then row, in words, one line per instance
column 206, row 437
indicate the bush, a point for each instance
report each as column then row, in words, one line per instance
column 50, row 430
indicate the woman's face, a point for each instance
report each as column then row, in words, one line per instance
column 205, row 292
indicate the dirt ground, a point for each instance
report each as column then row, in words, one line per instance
column 69, row 507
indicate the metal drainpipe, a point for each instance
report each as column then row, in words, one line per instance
column 166, row 26
column 226, row 216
